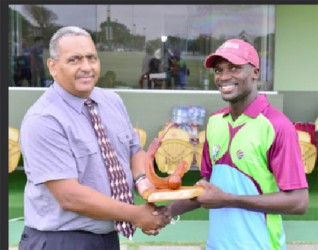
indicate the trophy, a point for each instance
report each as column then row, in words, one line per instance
column 170, row 187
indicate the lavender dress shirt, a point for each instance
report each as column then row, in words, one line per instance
column 58, row 142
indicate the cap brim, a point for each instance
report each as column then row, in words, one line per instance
column 210, row 60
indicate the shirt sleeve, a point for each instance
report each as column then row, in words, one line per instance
column 206, row 165
column 285, row 159
column 46, row 151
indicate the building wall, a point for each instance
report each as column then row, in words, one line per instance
column 301, row 106
column 296, row 60
column 296, row 48
column 148, row 109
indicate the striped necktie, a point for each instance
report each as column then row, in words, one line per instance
column 118, row 182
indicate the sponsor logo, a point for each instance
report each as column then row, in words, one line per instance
column 239, row 154
column 215, row 151
column 230, row 45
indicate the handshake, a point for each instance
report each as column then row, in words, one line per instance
column 153, row 218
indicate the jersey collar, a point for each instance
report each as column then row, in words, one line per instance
column 254, row 108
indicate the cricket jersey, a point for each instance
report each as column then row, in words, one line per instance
column 256, row 154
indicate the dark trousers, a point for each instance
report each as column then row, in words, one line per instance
column 33, row 239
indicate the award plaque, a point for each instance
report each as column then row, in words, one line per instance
column 170, row 187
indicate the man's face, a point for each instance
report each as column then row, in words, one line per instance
column 78, row 67
column 236, row 82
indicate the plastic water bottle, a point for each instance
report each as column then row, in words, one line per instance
column 184, row 115
column 192, row 113
column 177, row 114
column 202, row 113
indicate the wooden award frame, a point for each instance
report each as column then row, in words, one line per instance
column 170, row 187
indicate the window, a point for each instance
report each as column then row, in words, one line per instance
column 140, row 45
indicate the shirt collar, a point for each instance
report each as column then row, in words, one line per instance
column 257, row 106
column 254, row 108
column 75, row 102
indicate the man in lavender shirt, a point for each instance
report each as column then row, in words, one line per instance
column 67, row 198
column 251, row 160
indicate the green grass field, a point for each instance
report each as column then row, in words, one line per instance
column 17, row 180
column 127, row 67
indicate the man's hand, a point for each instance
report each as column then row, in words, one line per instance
column 213, row 197
column 143, row 185
column 162, row 210
column 150, row 217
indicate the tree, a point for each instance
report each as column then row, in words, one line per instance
column 41, row 16
column 121, row 34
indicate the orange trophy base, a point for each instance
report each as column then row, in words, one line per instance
column 182, row 193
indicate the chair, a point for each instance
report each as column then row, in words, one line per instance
column 308, row 151
column 308, row 127
column 157, row 80
column 14, row 149
column 171, row 152
column 201, row 136
column 142, row 134
column 176, row 133
column 198, row 154
column 199, row 148
column 303, row 136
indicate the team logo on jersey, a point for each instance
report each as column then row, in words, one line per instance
column 239, row 154
column 215, row 151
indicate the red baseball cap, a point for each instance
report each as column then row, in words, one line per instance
column 235, row 51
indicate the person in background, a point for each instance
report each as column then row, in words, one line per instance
column 144, row 81
column 150, row 65
column 23, row 65
column 108, row 80
column 37, row 63
column 81, row 155
column 146, row 60
column 251, row 164
column 179, row 70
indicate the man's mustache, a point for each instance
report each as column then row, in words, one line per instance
column 85, row 74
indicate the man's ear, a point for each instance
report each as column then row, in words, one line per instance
column 255, row 74
column 51, row 64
